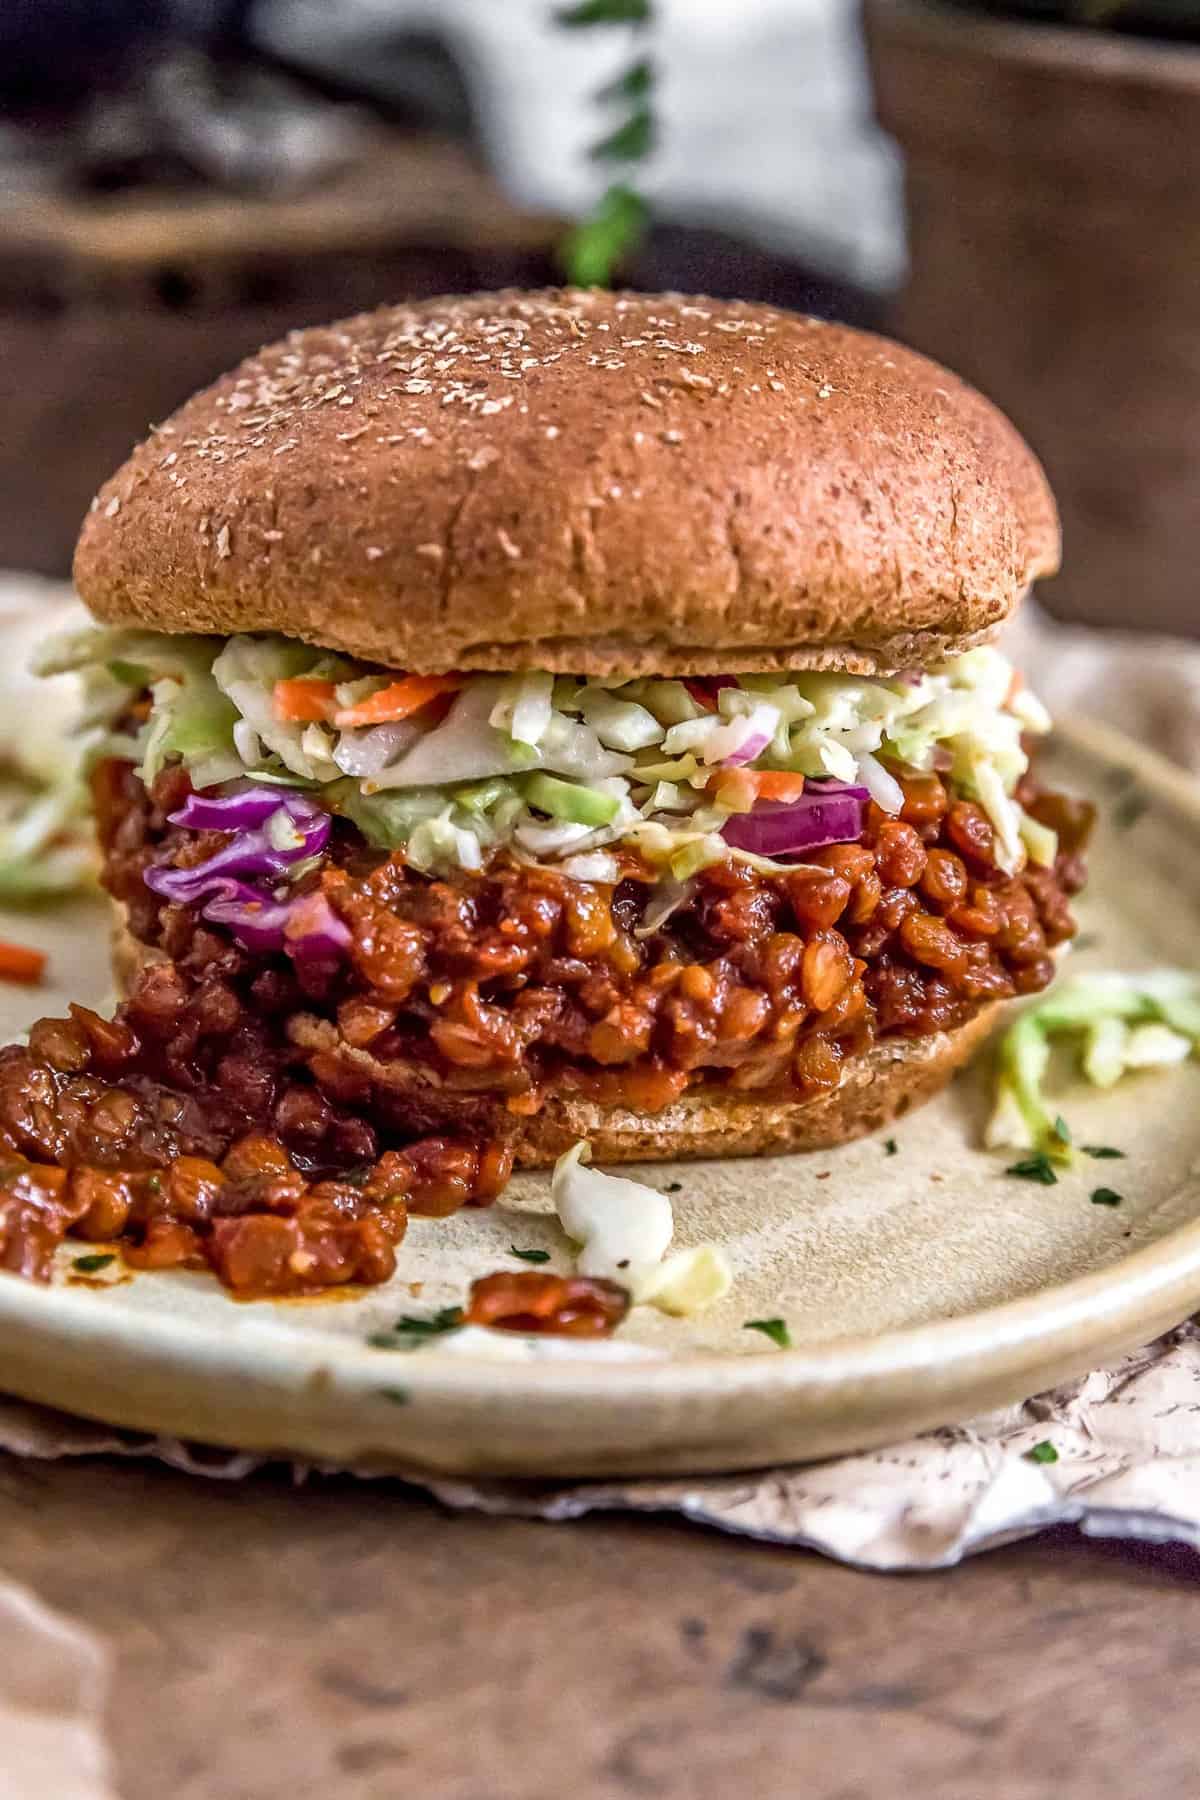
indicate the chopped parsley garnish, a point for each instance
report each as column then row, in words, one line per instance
column 1037, row 1167
column 88, row 1265
column 1042, row 1453
column 396, row 1395
column 530, row 1256
column 1062, row 1131
column 890, row 1146
column 1102, row 1152
column 1129, row 809
column 775, row 1329
column 154, row 1184
column 447, row 1318
column 359, row 1176
column 1103, row 1196
column 410, row 1332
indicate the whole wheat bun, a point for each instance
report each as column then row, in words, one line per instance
column 586, row 482
column 890, row 1079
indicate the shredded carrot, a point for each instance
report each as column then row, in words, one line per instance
column 763, row 784
column 397, row 701
column 19, row 963
column 775, row 784
column 304, row 701
column 733, row 788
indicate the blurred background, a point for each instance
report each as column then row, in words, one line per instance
column 1014, row 188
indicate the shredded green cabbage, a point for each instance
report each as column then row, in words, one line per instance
column 245, row 673
column 46, row 848
column 1120, row 1022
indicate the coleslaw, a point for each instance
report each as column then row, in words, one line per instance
column 450, row 769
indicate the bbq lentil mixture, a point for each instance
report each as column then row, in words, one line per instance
column 231, row 1115
column 555, row 1305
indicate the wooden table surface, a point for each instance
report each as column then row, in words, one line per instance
column 354, row 1641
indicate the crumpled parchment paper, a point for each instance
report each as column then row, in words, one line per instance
column 1126, row 1444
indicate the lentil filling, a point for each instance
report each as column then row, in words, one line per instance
column 232, row 1113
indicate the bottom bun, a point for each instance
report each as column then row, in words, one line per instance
column 881, row 1085
column 129, row 955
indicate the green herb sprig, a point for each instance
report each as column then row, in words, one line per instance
column 1106, row 1196
column 410, row 1332
column 618, row 221
column 1131, row 807
column 89, row 1265
column 775, row 1329
column 1037, row 1167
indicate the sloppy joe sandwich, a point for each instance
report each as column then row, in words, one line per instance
column 542, row 716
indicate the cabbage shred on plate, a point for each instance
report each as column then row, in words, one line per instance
column 1120, row 1022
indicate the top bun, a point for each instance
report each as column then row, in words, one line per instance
column 588, row 482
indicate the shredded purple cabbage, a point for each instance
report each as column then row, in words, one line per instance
column 305, row 926
column 314, row 933
column 256, row 920
column 243, row 809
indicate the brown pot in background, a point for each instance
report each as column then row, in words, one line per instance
column 1053, row 183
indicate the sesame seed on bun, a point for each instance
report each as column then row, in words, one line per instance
column 580, row 481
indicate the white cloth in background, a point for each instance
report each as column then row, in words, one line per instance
column 765, row 109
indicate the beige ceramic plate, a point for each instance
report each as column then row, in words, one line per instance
column 919, row 1287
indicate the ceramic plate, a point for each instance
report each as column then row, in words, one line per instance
column 919, row 1286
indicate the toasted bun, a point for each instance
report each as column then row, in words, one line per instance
column 876, row 1088
column 587, row 482
column 129, row 955
column 889, row 1080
